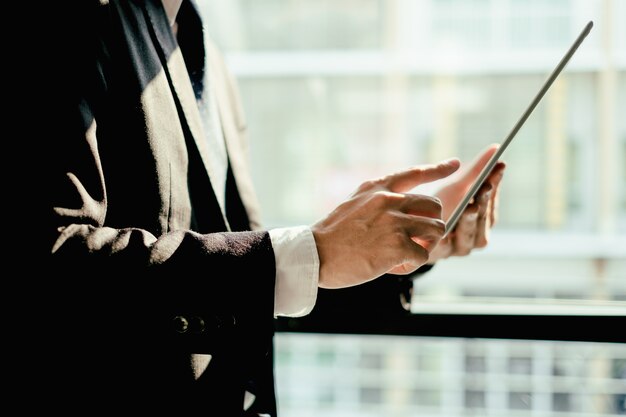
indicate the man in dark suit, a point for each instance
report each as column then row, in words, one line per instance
column 162, row 286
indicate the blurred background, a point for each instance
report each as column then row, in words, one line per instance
column 340, row 91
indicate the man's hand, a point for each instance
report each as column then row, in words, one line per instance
column 382, row 228
column 472, row 229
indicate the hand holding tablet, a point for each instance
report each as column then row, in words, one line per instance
column 479, row 216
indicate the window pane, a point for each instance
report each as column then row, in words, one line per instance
column 340, row 91
column 506, row 378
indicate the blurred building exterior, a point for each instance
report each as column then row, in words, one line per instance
column 339, row 91
column 372, row 376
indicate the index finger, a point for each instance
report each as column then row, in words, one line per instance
column 410, row 178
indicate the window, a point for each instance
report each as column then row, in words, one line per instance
column 464, row 377
column 339, row 91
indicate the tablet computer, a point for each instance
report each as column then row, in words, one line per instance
column 456, row 214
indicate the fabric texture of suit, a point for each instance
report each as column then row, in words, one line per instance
column 155, row 299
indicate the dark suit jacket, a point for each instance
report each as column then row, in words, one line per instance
column 145, row 275
column 134, row 273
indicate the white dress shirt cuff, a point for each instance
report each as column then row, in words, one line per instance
column 297, row 271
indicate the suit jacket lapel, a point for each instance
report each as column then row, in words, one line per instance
column 181, row 84
column 233, row 127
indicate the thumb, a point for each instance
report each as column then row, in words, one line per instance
column 480, row 161
column 412, row 177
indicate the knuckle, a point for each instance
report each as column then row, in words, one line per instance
column 434, row 202
column 385, row 198
column 398, row 238
column 369, row 185
column 379, row 198
column 439, row 226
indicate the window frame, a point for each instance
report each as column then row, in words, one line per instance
column 599, row 326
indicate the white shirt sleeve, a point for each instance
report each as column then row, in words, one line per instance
column 297, row 271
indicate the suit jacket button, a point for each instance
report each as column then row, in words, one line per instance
column 196, row 324
column 180, row 324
